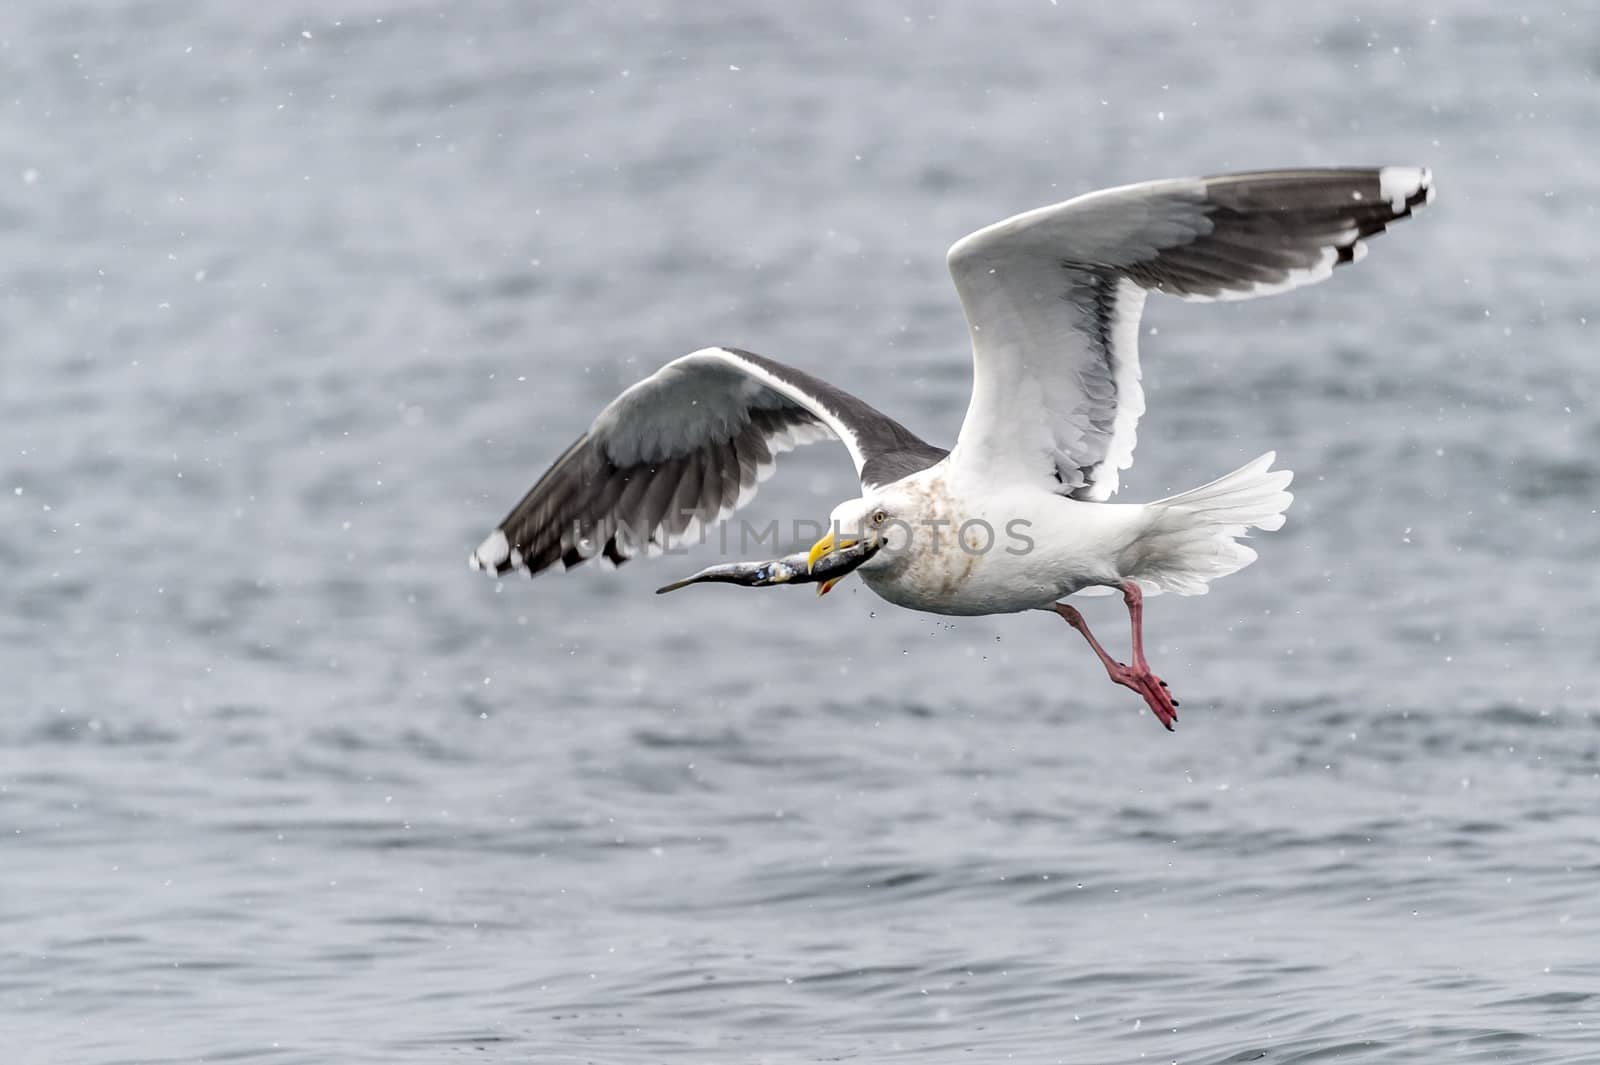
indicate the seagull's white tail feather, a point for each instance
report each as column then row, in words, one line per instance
column 1193, row 538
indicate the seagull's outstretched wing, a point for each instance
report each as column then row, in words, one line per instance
column 1053, row 299
column 683, row 449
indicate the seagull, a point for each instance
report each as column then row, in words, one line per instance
column 1017, row 515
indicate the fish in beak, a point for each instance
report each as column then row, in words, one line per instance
column 832, row 559
column 798, row 568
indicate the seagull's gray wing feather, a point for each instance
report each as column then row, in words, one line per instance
column 1053, row 299
column 683, row 449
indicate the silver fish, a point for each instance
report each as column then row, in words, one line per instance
column 791, row 569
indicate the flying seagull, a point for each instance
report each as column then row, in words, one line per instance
column 1017, row 515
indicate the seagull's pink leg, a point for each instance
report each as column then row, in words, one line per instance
column 1137, row 676
column 1134, row 598
column 1153, row 687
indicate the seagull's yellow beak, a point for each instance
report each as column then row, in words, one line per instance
column 825, row 547
column 820, row 550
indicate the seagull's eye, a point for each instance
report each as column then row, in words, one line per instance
column 879, row 517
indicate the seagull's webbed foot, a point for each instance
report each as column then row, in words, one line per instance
column 1154, row 690
column 1137, row 676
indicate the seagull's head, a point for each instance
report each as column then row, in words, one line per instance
column 866, row 532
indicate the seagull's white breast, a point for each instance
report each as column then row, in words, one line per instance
column 996, row 551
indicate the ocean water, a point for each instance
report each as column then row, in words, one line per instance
column 297, row 299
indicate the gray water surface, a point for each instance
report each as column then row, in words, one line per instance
column 295, row 300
